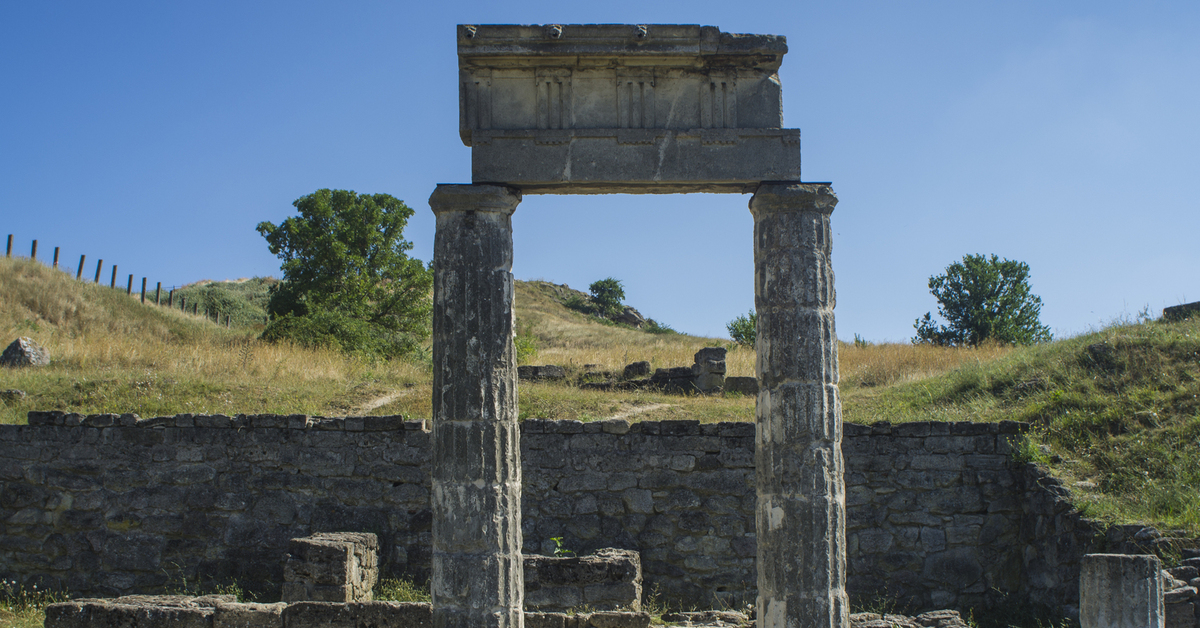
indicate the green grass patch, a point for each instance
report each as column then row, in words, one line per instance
column 1117, row 409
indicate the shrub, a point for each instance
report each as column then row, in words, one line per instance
column 652, row 326
column 339, row 331
column 744, row 329
column 607, row 295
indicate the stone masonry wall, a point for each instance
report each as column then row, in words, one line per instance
column 118, row 506
column 939, row 515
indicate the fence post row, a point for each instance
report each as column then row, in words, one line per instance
column 112, row 283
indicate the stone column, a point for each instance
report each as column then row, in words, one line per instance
column 801, row 515
column 477, row 570
column 1120, row 591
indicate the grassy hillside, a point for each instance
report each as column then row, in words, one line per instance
column 111, row 353
column 1116, row 412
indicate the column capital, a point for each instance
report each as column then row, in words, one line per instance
column 793, row 196
column 448, row 197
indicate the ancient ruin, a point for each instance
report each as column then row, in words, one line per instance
column 587, row 109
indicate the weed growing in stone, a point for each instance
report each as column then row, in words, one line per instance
column 22, row 607
column 401, row 590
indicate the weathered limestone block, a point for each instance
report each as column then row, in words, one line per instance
column 249, row 615
column 743, row 385
column 801, row 510
column 1180, row 312
column 140, row 611
column 623, row 108
column 331, row 567
column 1181, row 615
column 24, row 352
column 675, row 378
column 709, row 368
column 358, row 614
column 933, row 619
column 636, row 369
column 476, row 463
column 604, row 619
column 1120, row 591
column 548, row 371
column 606, row 580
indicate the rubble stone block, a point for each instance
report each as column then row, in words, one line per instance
column 358, row 614
column 1120, row 591
column 24, row 352
column 1181, row 615
column 249, row 615
column 331, row 567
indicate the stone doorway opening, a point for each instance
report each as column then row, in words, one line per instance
column 645, row 109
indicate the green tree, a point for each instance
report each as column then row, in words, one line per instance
column 983, row 299
column 744, row 329
column 607, row 295
column 345, row 259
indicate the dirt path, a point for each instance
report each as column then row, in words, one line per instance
column 379, row 402
column 639, row 410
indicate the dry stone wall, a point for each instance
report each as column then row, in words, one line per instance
column 939, row 515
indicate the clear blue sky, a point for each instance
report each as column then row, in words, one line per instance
column 1064, row 134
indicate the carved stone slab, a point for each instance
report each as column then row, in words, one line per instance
column 623, row 108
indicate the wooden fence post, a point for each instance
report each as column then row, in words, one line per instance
column 33, row 251
column 157, row 293
column 129, row 286
column 55, row 258
column 8, row 251
column 143, row 289
column 79, row 272
column 182, row 302
column 112, row 283
column 171, row 298
column 98, row 265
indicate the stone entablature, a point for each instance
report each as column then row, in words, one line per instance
column 623, row 108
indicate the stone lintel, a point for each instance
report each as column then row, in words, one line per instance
column 498, row 45
column 635, row 161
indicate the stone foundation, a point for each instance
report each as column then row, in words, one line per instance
column 223, row 611
column 110, row 505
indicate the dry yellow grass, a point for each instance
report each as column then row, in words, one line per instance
column 893, row 363
column 112, row 353
column 572, row 339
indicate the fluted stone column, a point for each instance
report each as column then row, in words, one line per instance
column 477, row 568
column 801, row 513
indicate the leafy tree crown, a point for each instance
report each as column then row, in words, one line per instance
column 983, row 298
column 608, row 295
column 345, row 253
column 744, row 329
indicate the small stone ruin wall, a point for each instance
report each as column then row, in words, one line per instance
column 939, row 515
